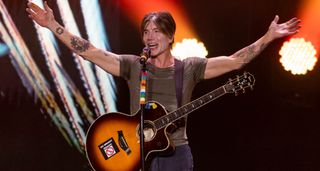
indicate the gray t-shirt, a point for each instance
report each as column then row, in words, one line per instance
column 161, row 86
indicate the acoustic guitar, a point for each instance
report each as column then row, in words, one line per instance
column 113, row 139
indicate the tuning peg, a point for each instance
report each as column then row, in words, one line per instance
column 245, row 74
column 251, row 87
column 243, row 90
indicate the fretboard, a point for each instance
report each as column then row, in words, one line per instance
column 189, row 107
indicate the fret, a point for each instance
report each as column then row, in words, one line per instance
column 171, row 117
column 189, row 107
column 205, row 99
column 175, row 114
column 197, row 103
column 157, row 123
column 179, row 111
column 185, row 109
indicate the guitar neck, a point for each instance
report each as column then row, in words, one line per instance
column 189, row 107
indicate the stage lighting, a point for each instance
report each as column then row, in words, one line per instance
column 189, row 48
column 298, row 56
column 4, row 49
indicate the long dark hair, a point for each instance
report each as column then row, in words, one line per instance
column 164, row 22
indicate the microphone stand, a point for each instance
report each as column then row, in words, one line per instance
column 142, row 107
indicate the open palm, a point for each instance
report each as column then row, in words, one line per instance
column 284, row 29
column 41, row 16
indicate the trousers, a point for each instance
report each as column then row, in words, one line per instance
column 180, row 160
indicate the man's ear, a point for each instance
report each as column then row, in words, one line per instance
column 171, row 38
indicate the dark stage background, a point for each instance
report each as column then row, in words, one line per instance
column 274, row 127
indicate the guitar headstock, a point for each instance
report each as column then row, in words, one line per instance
column 240, row 83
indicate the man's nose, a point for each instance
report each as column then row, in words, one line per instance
column 150, row 35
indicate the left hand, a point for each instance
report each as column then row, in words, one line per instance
column 284, row 29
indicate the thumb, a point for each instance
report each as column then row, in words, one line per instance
column 276, row 19
column 46, row 6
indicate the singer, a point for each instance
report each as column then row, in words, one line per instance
column 157, row 32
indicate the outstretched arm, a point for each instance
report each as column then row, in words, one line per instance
column 219, row 65
column 45, row 18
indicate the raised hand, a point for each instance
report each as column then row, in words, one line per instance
column 44, row 17
column 284, row 29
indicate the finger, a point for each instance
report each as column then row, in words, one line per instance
column 276, row 19
column 294, row 23
column 32, row 14
column 292, row 32
column 292, row 20
column 294, row 28
column 46, row 6
column 30, row 11
column 34, row 7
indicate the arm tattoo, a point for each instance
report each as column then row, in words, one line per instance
column 59, row 30
column 251, row 53
column 79, row 45
column 263, row 46
column 241, row 54
column 246, row 54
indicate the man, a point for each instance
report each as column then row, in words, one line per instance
column 158, row 31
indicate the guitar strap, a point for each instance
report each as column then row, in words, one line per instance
column 178, row 71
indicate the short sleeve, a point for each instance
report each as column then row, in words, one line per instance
column 195, row 67
column 127, row 63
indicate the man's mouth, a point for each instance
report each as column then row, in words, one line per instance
column 152, row 45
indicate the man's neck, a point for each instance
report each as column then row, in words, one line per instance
column 164, row 60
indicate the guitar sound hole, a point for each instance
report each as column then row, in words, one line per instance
column 149, row 131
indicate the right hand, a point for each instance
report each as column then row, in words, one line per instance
column 43, row 17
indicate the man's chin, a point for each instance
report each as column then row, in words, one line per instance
column 154, row 55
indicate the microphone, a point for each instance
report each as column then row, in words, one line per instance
column 145, row 54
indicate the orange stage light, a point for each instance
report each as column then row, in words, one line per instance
column 310, row 22
column 136, row 9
